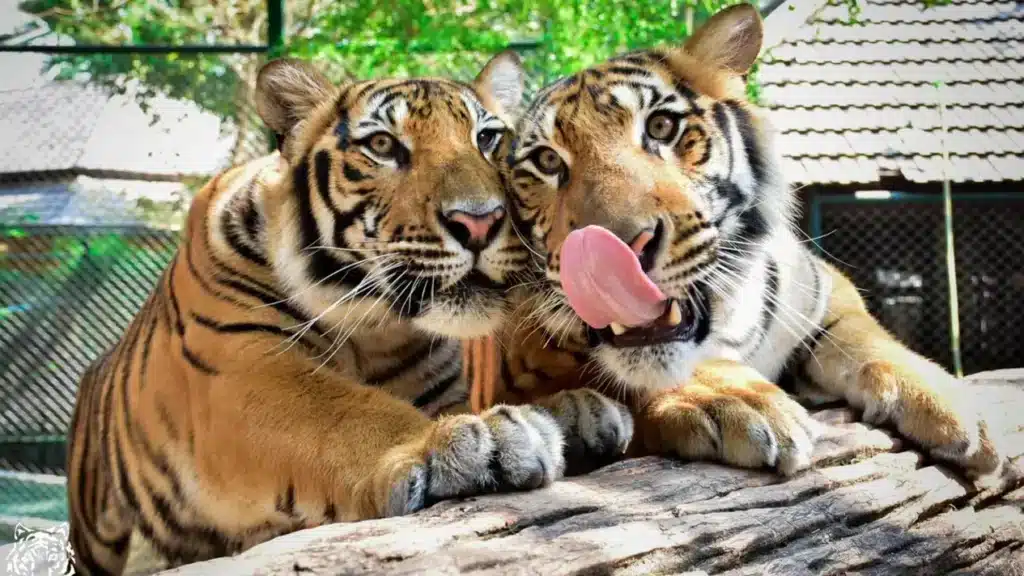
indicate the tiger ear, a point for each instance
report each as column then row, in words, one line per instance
column 730, row 39
column 502, row 81
column 287, row 90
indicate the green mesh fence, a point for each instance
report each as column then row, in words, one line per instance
column 26, row 496
column 894, row 250
column 66, row 295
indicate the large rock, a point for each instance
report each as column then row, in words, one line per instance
column 871, row 506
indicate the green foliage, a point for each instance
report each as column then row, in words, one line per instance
column 359, row 39
column 207, row 79
column 353, row 38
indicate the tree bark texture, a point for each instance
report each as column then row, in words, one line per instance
column 872, row 505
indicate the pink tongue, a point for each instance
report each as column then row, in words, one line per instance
column 604, row 282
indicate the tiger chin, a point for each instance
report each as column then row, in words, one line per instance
column 299, row 362
column 670, row 271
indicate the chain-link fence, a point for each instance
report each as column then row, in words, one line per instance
column 895, row 251
column 69, row 293
column 96, row 175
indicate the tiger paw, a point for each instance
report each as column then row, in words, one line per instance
column 929, row 407
column 729, row 413
column 597, row 429
column 506, row 448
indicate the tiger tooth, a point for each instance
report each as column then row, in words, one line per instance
column 675, row 314
column 618, row 329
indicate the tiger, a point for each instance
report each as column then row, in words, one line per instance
column 670, row 272
column 299, row 361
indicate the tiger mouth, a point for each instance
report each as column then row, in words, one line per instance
column 684, row 320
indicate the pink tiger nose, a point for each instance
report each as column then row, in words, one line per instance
column 474, row 230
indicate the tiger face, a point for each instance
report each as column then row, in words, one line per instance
column 393, row 207
column 659, row 153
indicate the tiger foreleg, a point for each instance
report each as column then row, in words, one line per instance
column 306, row 436
column 728, row 412
column 856, row 358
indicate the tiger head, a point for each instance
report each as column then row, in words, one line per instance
column 647, row 174
column 392, row 206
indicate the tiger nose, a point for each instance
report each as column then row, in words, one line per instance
column 473, row 226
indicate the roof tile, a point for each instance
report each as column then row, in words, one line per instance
column 849, row 99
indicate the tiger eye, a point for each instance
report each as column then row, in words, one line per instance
column 548, row 161
column 661, row 127
column 382, row 144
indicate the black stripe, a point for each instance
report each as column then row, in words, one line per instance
column 690, row 95
column 725, row 127
column 272, row 300
column 769, row 298
column 203, row 283
column 686, row 233
column 815, row 278
column 693, row 251
column 232, row 235
column 146, row 346
column 286, row 504
column 323, row 265
column 322, row 163
column 216, row 542
column 352, row 174
column 166, row 420
column 629, row 71
column 320, row 264
column 755, row 226
column 755, row 156
column 815, row 340
column 522, row 173
column 437, row 390
column 178, row 324
column 330, row 513
column 731, row 191
column 702, row 137
column 341, row 130
column 344, row 220
column 410, row 357
column 197, row 362
column 252, row 221
column 239, row 327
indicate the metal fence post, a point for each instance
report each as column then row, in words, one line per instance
column 275, row 27
column 947, row 205
column 275, row 48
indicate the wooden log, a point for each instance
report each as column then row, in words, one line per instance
column 872, row 506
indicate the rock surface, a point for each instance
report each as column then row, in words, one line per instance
column 872, row 505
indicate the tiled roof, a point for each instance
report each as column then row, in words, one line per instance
column 74, row 126
column 851, row 99
column 46, row 128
